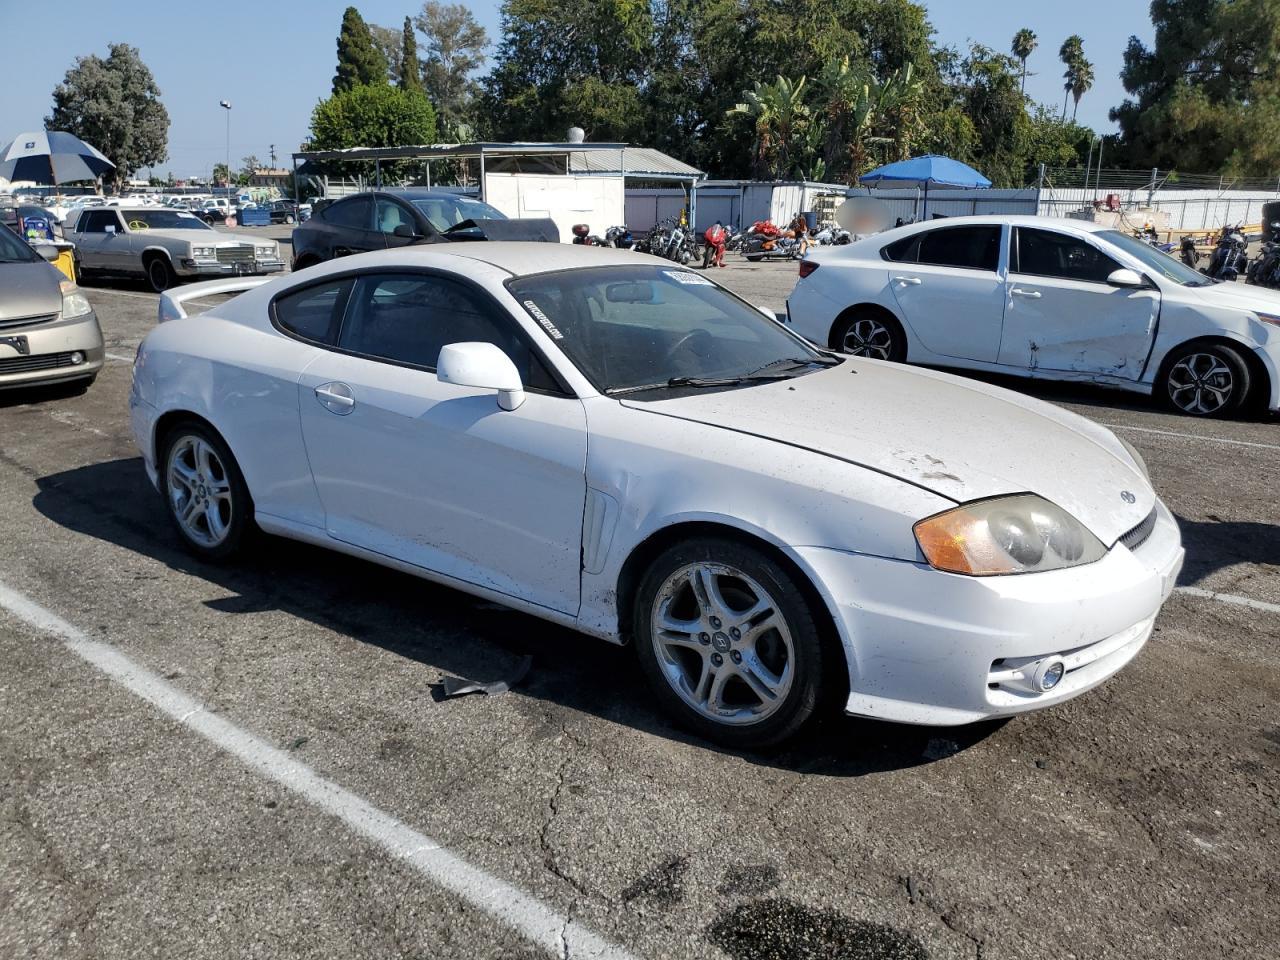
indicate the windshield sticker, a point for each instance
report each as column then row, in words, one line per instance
column 543, row 319
column 689, row 279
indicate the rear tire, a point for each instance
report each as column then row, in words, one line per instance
column 729, row 643
column 1204, row 380
column 870, row 333
column 204, row 491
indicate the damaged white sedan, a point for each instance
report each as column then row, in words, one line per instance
column 619, row 445
column 1049, row 299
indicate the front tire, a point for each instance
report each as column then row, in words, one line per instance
column 729, row 643
column 869, row 333
column 160, row 274
column 1204, row 380
column 204, row 492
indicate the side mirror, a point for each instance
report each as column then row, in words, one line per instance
column 481, row 365
column 48, row 251
column 1126, row 278
column 406, row 231
column 109, row 228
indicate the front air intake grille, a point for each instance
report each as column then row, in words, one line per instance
column 47, row 361
column 27, row 321
column 238, row 254
column 1138, row 535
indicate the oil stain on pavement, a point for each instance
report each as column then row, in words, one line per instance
column 780, row 929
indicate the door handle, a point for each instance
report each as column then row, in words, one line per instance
column 336, row 397
column 1029, row 294
column 911, row 281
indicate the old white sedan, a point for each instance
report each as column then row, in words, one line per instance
column 621, row 446
column 1052, row 299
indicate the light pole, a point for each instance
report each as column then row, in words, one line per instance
column 226, row 105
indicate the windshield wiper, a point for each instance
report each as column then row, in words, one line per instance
column 773, row 370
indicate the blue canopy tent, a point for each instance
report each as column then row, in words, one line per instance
column 51, row 157
column 926, row 170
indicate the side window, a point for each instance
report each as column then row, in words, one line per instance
column 1044, row 253
column 312, row 313
column 392, row 215
column 354, row 213
column 972, row 248
column 906, row 250
column 407, row 318
column 96, row 221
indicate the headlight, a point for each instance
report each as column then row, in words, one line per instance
column 74, row 303
column 202, row 253
column 1023, row 533
column 267, row 251
column 1137, row 458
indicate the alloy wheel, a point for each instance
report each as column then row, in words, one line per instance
column 722, row 643
column 868, row 337
column 1200, row 383
column 199, row 491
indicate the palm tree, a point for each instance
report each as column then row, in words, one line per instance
column 855, row 103
column 1024, row 44
column 780, row 115
column 1070, row 53
column 1081, row 84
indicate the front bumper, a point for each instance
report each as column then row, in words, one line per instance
column 935, row 648
column 211, row 268
column 45, row 353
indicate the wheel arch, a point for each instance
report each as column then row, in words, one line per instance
column 150, row 253
column 645, row 552
column 1261, row 384
column 865, row 307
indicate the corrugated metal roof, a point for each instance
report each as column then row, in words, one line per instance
column 631, row 162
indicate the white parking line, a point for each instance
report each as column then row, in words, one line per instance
column 1192, row 436
column 115, row 356
column 534, row 920
column 1230, row 598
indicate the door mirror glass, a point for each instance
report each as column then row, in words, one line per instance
column 1126, row 278
column 484, row 366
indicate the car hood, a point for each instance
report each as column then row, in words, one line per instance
column 207, row 238
column 958, row 438
column 1239, row 296
column 29, row 290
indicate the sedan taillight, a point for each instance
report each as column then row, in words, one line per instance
column 807, row 267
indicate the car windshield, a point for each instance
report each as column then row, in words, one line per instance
column 637, row 328
column 445, row 212
column 13, row 249
column 1164, row 264
column 162, row 220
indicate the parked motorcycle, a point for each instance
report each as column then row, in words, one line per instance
column 671, row 240
column 1265, row 270
column 1188, row 252
column 764, row 241
column 832, row 236
column 1230, row 257
column 619, row 237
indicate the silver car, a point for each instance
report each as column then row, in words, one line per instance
column 165, row 246
column 48, row 330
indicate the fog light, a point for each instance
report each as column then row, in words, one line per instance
column 77, row 358
column 1049, row 674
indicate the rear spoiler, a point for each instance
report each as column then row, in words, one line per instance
column 171, row 301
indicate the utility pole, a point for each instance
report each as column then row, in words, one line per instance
column 226, row 105
column 273, row 156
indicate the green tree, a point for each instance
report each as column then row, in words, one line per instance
column 247, row 166
column 779, row 118
column 410, row 69
column 859, row 111
column 455, row 49
column 374, row 115
column 221, row 175
column 114, row 105
column 1070, row 53
column 387, row 41
column 1081, row 83
column 1024, row 44
column 1206, row 96
column 360, row 62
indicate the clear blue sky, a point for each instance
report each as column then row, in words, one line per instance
column 278, row 58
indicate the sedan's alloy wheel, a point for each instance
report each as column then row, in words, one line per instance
column 868, row 337
column 722, row 643
column 1200, row 383
column 199, row 491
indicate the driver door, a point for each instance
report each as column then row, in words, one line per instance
column 438, row 475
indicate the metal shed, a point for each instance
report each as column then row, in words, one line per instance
column 569, row 182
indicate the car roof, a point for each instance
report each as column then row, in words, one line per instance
column 423, row 193
column 1017, row 220
column 525, row 258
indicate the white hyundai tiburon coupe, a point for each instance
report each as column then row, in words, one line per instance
column 619, row 445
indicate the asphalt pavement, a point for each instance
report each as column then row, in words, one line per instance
column 256, row 760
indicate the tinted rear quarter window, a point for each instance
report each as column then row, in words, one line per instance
column 355, row 213
column 971, row 248
column 906, row 250
column 312, row 313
